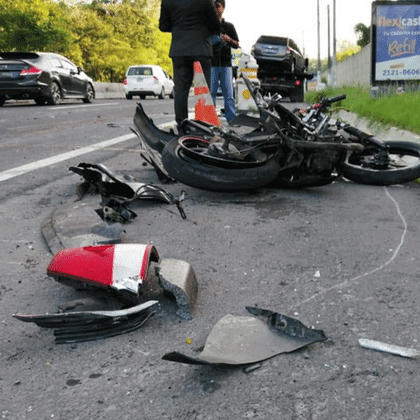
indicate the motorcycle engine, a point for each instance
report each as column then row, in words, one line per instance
column 323, row 162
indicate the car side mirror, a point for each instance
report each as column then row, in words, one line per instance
column 79, row 70
column 306, row 63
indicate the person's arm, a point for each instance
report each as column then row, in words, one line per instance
column 232, row 42
column 231, row 37
column 165, row 23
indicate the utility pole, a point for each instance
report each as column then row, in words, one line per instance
column 329, row 38
column 318, row 66
column 334, row 65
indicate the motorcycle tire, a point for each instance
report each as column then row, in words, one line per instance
column 404, row 166
column 217, row 174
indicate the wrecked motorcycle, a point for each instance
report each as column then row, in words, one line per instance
column 278, row 148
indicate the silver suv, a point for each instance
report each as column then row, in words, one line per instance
column 273, row 52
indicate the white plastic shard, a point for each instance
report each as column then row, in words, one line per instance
column 389, row 348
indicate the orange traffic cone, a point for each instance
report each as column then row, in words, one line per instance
column 204, row 107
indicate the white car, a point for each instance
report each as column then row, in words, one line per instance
column 143, row 80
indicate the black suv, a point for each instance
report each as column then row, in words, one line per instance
column 273, row 52
column 44, row 77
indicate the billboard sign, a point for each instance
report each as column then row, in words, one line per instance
column 395, row 40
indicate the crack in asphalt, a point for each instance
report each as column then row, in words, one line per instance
column 355, row 279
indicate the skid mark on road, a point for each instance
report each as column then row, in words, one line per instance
column 355, row 279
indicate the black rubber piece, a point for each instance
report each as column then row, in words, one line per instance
column 155, row 138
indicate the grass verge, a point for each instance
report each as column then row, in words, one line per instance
column 397, row 110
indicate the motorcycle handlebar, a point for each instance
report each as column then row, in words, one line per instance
column 336, row 98
column 328, row 101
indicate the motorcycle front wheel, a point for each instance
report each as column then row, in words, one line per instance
column 188, row 160
column 403, row 165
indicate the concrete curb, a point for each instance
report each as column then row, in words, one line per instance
column 378, row 130
column 108, row 90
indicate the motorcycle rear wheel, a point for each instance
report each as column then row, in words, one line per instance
column 404, row 165
column 193, row 166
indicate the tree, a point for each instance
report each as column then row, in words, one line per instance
column 32, row 25
column 346, row 49
column 103, row 36
column 111, row 36
column 363, row 32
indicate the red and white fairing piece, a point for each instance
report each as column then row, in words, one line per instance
column 121, row 267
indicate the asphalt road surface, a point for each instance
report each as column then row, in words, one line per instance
column 342, row 258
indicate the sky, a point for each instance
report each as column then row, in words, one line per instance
column 297, row 19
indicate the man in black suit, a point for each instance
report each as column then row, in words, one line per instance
column 192, row 23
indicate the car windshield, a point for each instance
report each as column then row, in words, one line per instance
column 140, row 71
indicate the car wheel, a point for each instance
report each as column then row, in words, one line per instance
column 162, row 93
column 55, row 94
column 89, row 94
column 142, row 96
column 2, row 100
column 128, row 96
column 40, row 101
column 172, row 95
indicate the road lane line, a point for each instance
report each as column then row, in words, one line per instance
column 20, row 170
column 76, row 106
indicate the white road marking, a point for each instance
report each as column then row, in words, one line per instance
column 20, row 170
column 77, row 106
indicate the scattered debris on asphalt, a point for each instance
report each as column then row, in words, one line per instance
column 116, row 212
column 126, row 270
column 389, row 348
column 122, row 190
column 240, row 340
column 288, row 326
column 122, row 268
column 75, row 327
column 178, row 278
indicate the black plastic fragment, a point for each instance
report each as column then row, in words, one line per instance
column 289, row 326
column 74, row 327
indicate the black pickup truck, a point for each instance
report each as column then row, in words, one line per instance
column 281, row 67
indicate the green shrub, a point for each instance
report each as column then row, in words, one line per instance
column 398, row 110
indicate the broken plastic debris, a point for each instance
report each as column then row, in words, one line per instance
column 178, row 278
column 125, row 189
column 125, row 269
column 289, row 326
column 239, row 340
column 74, row 327
column 121, row 190
column 389, row 348
column 122, row 268
column 115, row 212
